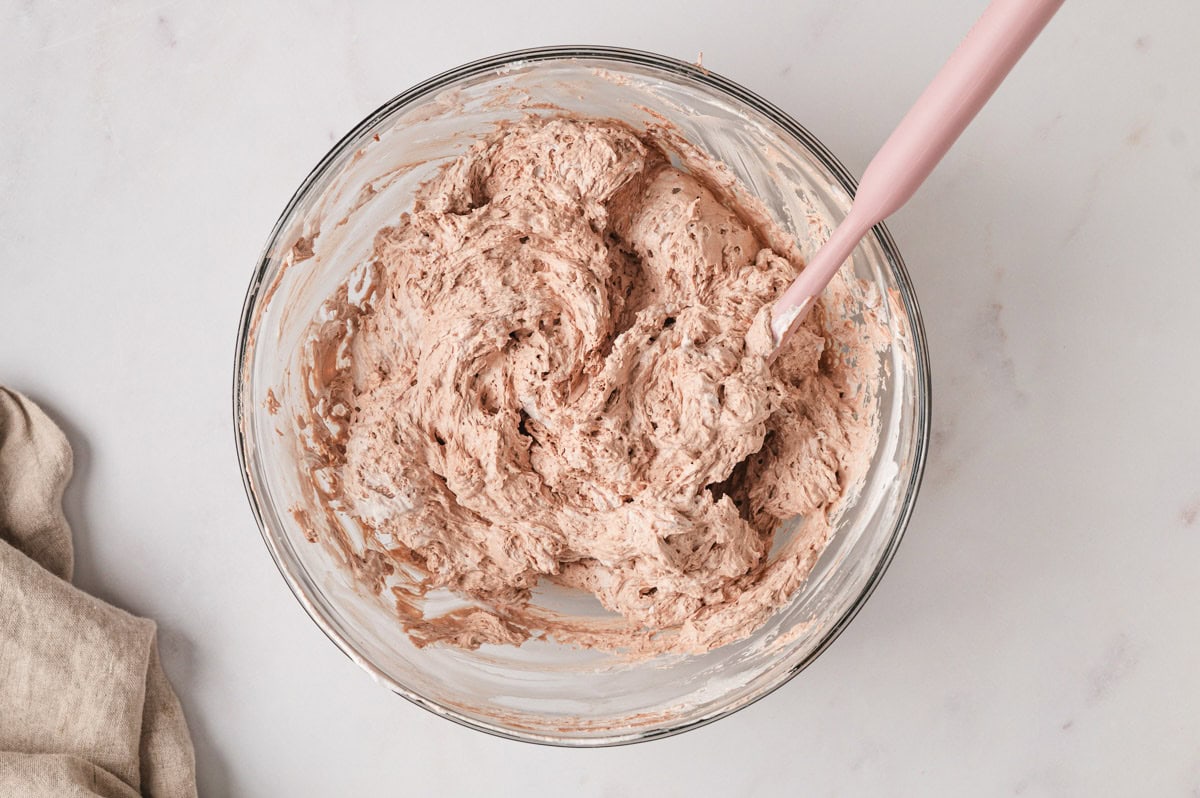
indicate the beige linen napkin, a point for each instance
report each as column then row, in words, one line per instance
column 85, row 708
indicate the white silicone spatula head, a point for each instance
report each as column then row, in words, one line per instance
column 930, row 127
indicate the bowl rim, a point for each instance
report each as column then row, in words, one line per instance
column 711, row 80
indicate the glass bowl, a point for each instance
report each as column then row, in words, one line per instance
column 543, row 691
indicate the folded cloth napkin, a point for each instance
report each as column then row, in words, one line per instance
column 85, row 708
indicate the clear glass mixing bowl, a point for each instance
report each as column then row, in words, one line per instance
column 542, row 691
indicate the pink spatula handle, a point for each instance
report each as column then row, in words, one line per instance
column 931, row 126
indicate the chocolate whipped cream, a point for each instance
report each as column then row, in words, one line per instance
column 557, row 369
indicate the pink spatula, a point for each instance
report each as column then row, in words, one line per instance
column 935, row 121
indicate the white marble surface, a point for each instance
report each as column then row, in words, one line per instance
column 1039, row 632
